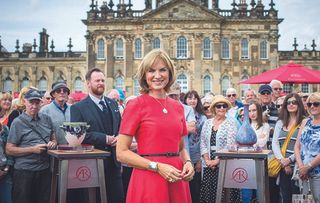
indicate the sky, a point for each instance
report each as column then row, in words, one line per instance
column 24, row 19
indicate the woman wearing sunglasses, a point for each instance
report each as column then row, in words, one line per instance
column 286, row 130
column 307, row 148
column 216, row 134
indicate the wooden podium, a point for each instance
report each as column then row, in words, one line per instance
column 261, row 172
column 78, row 169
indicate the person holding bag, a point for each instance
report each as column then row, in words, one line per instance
column 286, row 130
column 307, row 147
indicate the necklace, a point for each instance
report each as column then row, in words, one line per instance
column 164, row 110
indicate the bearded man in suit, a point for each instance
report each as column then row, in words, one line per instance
column 102, row 114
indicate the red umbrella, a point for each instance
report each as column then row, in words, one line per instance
column 289, row 73
column 78, row 95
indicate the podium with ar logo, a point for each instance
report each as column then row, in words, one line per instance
column 78, row 169
column 243, row 170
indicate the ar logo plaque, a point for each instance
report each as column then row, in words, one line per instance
column 240, row 175
column 83, row 173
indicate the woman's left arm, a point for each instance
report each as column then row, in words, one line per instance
column 188, row 170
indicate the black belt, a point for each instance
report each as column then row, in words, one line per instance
column 168, row 154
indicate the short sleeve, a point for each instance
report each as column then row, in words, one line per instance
column 13, row 136
column 131, row 118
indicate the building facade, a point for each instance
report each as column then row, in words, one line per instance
column 212, row 49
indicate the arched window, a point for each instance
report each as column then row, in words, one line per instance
column 7, row 85
column 78, row 84
column 207, row 84
column 119, row 48
column 42, row 85
column 225, row 49
column 264, row 49
column 244, row 87
column 138, row 49
column 136, row 87
column 25, row 82
column 119, row 83
column 207, row 48
column 183, row 82
column 305, row 88
column 182, row 47
column 156, row 43
column 225, row 84
column 244, row 49
column 287, row 88
column 100, row 50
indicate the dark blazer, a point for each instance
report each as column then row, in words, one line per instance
column 87, row 111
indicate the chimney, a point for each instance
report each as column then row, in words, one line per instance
column 44, row 37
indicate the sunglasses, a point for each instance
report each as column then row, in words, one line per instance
column 265, row 93
column 206, row 108
column 62, row 90
column 279, row 106
column 277, row 89
column 48, row 98
column 315, row 104
column 231, row 95
column 293, row 102
column 223, row 106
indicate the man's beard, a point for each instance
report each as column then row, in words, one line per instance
column 98, row 91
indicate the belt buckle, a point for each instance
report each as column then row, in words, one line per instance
column 168, row 154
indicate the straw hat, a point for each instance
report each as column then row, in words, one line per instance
column 219, row 99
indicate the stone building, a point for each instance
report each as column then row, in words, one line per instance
column 212, row 49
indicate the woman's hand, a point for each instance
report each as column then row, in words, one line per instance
column 303, row 172
column 169, row 172
column 213, row 163
column 197, row 167
column 187, row 171
column 285, row 162
column 288, row 170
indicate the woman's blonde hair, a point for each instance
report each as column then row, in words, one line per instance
column 19, row 104
column 147, row 62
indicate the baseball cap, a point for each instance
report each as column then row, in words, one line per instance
column 264, row 88
column 33, row 94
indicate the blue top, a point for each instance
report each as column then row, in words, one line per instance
column 310, row 145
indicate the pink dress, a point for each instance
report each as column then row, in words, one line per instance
column 155, row 132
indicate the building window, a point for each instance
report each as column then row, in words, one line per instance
column 100, row 50
column 25, row 82
column 42, row 85
column 264, row 49
column 7, row 85
column 225, row 49
column 287, row 88
column 138, row 49
column 78, row 84
column 119, row 83
column 305, row 88
column 156, row 43
column 136, row 87
column 119, row 49
column 183, row 82
column 182, row 47
column 207, row 84
column 225, row 84
column 244, row 87
column 244, row 49
column 207, row 48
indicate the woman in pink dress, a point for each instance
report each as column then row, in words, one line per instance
column 162, row 165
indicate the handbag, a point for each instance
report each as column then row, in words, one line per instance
column 274, row 165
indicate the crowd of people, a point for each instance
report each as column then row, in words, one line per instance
column 162, row 142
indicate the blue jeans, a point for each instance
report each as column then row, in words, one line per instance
column 6, row 189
